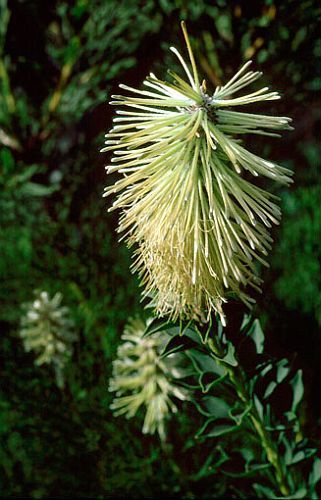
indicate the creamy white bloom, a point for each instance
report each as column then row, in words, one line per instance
column 197, row 223
column 47, row 330
column 142, row 379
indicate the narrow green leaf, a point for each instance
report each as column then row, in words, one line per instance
column 213, row 463
column 257, row 335
column 298, row 457
column 33, row 189
column 215, row 429
column 158, row 325
column 177, row 344
column 298, row 389
column 214, row 407
column 229, row 358
column 300, row 493
column 259, row 407
column 205, row 363
column 315, row 474
column 270, row 389
column 264, row 491
column 27, row 173
column 282, row 370
column 253, row 470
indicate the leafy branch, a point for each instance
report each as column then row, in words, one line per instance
column 234, row 400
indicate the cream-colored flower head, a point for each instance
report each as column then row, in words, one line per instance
column 142, row 379
column 47, row 330
column 197, row 223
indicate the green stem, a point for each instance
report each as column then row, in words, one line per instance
column 238, row 379
column 55, row 99
column 7, row 94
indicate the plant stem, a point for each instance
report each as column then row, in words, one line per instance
column 55, row 99
column 238, row 379
column 6, row 90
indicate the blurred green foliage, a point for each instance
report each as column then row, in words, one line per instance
column 299, row 283
column 59, row 63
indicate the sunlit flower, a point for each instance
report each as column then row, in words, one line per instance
column 197, row 224
column 47, row 330
column 142, row 379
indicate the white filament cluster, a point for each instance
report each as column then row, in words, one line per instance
column 47, row 330
column 197, row 224
column 142, row 379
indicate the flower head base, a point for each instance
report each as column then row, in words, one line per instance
column 141, row 378
column 198, row 226
column 47, row 330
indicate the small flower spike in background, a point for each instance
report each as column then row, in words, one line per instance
column 198, row 225
column 141, row 378
column 47, row 330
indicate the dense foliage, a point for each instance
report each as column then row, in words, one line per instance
column 59, row 63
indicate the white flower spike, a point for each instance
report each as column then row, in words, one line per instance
column 142, row 379
column 48, row 331
column 198, row 226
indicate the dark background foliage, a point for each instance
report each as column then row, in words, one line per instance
column 59, row 63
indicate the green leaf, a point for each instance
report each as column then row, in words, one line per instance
column 257, row 335
column 5, row 16
column 212, row 464
column 177, row 344
column 259, row 407
column 251, row 471
column 224, row 26
column 205, row 363
column 298, row 390
column 220, row 430
column 158, row 325
column 254, row 331
column 247, row 318
column 26, row 174
column 6, row 160
column 229, row 358
column 291, row 456
column 215, row 428
column 270, row 389
column 300, row 493
column 282, row 370
column 214, row 407
column 264, row 491
column 298, row 457
column 315, row 474
column 299, row 37
column 33, row 189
